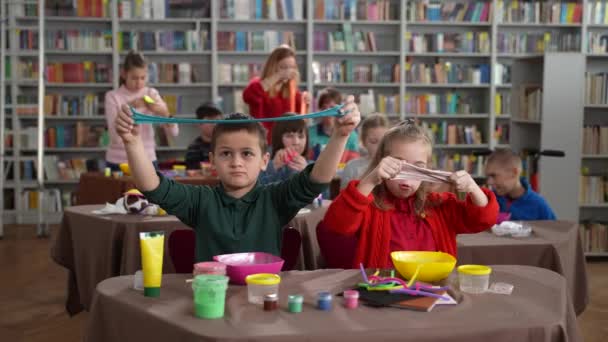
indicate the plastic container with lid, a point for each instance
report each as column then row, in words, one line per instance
column 261, row 284
column 351, row 299
column 294, row 303
column 209, row 295
column 209, row 267
column 324, row 300
column 474, row 278
column 180, row 170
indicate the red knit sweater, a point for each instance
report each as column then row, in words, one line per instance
column 261, row 105
column 352, row 213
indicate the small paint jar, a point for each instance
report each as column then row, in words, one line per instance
column 351, row 299
column 271, row 302
column 324, row 301
column 294, row 303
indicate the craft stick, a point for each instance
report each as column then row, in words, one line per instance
column 292, row 96
column 303, row 105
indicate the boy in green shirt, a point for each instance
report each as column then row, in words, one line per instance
column 239, row 215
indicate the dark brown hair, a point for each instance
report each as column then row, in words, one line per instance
column 272, row 64
column 372, row 121
column 207, row 110
column 254, row 128
column 282, row 127
column 134, row 59
column 406, row 131
column 329, row 94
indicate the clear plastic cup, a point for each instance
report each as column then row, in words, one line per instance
column 261, row 284
column 474, row 279
column 209, row 295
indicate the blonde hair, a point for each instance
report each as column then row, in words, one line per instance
column 272, row 64
column 372, row 121
column 405, row 132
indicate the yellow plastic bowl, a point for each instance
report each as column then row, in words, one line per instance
column 124, row 167
column 435, row 266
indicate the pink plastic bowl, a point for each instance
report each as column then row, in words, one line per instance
column 503, row 217
column 240, row 265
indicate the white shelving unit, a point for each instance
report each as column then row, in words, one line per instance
column 391, row 43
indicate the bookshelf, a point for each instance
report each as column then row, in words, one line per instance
column 393, row 25
column 594, row 162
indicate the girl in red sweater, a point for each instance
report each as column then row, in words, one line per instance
column 402, row 215
column 268, row 95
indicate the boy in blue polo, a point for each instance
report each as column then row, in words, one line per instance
column 239, row 214
column 514, row 195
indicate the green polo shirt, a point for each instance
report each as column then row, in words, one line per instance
column 224, row 224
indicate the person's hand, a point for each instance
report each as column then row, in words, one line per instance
column 126, row 128
column 306, row 98
column 298, row 163
column 463, row 181
column 346, row 124
column 387, row 169
column 279, row 159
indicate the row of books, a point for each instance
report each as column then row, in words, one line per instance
column 455, row 161
column 454, row 134
column 537, row 42
column 254, row 41
column 593, row 190
column 73, row 8
column 502, row 133
column 442, row 103
column 555, row 12
column 88, row 105
column 161, row 9
column 348, row 72
column 372, row 10
column 595, row 140
column 229, row 73
column 459, row 11
column 79, row 134
column 345, row 40
column 54, row 200
column 262, row 9
column 191, row 40
column 27, row 69
column 594, row 236
column 447, row 72
column 69, row 169
column 177, row 73
column 174, row 103
column 597, row 42
column 448, row 42
column 502, row 104
column 73, row 40
column 530, row 100
column 83, row 72
column 597, row 12
column 596, row 88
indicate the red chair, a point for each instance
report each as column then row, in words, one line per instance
column 337, row 250
column 182, row 244
column 290, row 250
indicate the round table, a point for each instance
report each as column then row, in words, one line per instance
column 554, row 245
column 538, row 310
column 96, row 247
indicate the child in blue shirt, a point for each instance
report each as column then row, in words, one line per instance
column 514, row 195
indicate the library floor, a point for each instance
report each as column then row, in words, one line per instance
column 32, row 294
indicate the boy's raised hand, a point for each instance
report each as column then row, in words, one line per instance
column 346, row 124
column 126, row 128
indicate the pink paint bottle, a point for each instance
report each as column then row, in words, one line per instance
column 351, row 299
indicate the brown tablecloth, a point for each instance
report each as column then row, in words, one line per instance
column 95, row 188
column 538, row 310
column 94, row 247
column 554, row 245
